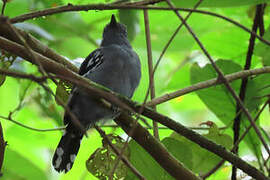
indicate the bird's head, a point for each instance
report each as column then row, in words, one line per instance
column 114, row 33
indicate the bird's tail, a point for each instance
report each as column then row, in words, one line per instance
column 66, row 151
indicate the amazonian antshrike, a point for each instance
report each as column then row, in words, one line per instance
column 114, row 65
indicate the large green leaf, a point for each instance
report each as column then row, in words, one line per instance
column 202, row 160
column 217, row 98
column 142, row 161
column 17, row 166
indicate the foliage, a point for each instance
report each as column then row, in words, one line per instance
column 75, row 34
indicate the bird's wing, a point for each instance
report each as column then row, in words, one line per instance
column 91, row 62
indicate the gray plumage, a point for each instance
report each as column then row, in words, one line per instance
column 114, row 65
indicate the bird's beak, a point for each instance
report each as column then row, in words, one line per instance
column 113, row 21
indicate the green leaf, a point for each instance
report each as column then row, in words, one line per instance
column 103, row 160
column 203, row 160
column 218, row 3
column 173, row 78
column 263, row 50
column 219, row 138
column 131, row 19
column 145, row 164
column 217, row 98
column 17, row 166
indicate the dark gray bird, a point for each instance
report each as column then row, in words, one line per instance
column 114, row 65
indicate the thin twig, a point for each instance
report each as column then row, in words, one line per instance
column 207, row 84
column 150, row 67
column 31, row 128
column 22, row 96
column 17, row 74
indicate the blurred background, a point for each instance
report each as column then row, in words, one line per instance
column 75, row 34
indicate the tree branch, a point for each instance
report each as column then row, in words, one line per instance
column 150, row 67
column 17, row 74
column 207, row 84
column 68, row 8
column 31, row 128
